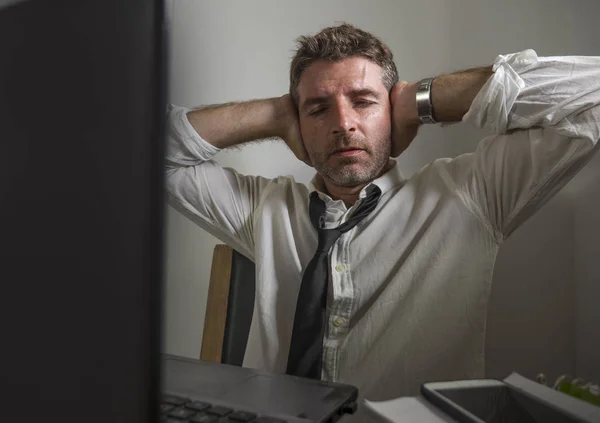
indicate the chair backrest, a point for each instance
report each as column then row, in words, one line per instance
column 229, row 307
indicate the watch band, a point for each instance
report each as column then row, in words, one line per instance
column 424, row 105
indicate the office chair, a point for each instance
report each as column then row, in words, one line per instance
column 229, row 307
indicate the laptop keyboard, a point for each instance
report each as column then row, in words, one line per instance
column 176, row 409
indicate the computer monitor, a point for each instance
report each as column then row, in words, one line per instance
column 82, row 89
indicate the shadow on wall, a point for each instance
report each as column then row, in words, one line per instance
column 586, row 194
column 531, row 312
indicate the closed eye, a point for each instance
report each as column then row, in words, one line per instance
column 359, row 103
column 317, row 111
column 363, row 103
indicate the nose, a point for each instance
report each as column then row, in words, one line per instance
column 344, row 119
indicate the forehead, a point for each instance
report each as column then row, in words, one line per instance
column 326, row 78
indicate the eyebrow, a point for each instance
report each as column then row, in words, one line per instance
column 362, row 92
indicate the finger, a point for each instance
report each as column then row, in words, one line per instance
column 397, row 89
column 301, row 154
column 306, row 159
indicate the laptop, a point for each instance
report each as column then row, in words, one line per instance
column 82, row 102
column 242, row 394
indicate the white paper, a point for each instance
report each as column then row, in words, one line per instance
column 408, row 410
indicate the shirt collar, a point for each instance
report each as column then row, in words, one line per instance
column 385, row 182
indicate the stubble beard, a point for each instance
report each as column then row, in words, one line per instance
column 345, row 175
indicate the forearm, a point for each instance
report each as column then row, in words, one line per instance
column 230, row 124
column 453, row 94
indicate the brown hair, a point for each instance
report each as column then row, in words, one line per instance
column 336, row 43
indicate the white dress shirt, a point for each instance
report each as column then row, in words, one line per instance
column 410, row 284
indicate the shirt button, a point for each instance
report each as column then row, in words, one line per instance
column 340, row 267
column 322, row 196
column 338, row 321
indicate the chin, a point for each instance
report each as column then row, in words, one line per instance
column 352, row 171
column 353, row 175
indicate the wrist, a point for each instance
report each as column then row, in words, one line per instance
column 412, row 114
column 404, row 104
column 424, row 101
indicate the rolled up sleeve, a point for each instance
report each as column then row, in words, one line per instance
column 220, row 200
column 545, row 116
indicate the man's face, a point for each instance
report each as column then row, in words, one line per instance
column 345, row 120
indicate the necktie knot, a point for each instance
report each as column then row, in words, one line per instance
column 318, row 208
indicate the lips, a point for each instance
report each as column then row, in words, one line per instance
column 347, row 153
column 347, row 149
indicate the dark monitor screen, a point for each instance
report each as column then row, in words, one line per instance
column 81, row 106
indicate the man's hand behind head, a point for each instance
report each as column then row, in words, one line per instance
column 405, row 121
column 291, row 129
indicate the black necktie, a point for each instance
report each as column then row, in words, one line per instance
column 306, row 347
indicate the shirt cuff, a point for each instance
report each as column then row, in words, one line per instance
column 492, row 105
column 184, row 142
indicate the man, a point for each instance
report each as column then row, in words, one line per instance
column 405, row 292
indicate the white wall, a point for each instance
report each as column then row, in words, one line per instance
column 237, row 50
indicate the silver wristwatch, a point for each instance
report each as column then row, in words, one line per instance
column 424, row 105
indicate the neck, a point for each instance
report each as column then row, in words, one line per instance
column 349, row 195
